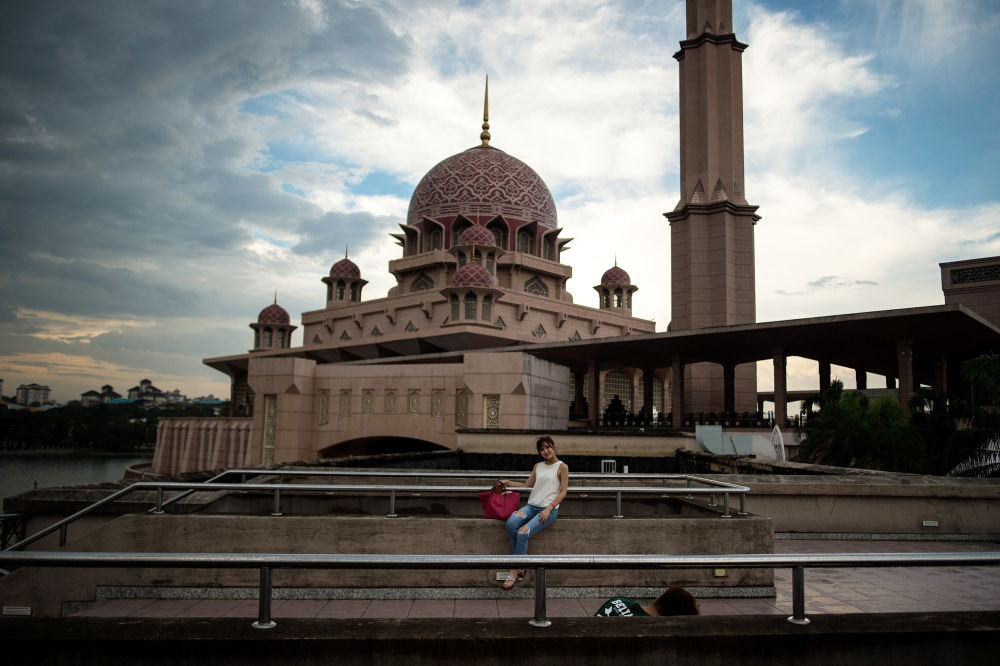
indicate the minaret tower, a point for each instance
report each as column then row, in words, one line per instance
column 711, row 228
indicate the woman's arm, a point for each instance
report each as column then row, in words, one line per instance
column 530, row 483
column 563, row 473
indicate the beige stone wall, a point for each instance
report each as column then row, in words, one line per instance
column 201, row 443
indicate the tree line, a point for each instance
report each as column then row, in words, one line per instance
column 124, row 427
column 944, row 434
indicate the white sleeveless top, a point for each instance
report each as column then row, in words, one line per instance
column 546, row 486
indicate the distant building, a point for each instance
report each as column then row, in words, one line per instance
column 90, row 398
column 28, row 394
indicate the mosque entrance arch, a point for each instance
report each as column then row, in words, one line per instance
column 373, row 446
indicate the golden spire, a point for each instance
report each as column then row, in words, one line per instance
column 346, row 248
column 275, row 296
column 485, row 136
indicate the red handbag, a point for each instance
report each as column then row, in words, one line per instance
column 499, row 502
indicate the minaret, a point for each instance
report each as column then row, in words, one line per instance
column 711, row 228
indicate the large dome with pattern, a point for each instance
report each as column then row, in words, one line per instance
column 273, row 314
column 483, row 182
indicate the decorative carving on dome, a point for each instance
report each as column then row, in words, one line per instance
column 477, row 235
column 472, row 275
column 273, row 314
column 486, row 180
column 345, row 268
column 615, row 276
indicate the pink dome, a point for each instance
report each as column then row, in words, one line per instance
column 478, row 235
column 615, row 276
column 487, row 180
column 345, row 268
column 273, row 314
column 472, row 275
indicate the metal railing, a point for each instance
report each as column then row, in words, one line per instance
column 266, row 562
column 418, row 475
column 160, row 487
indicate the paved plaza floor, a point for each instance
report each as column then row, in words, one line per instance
column 835, row 590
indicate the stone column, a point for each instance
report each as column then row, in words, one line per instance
column 677, row 391
column 904, row 359
column 824, row 374
column 861, row 378
column 940, row 374
column 729, row 387
column 780, row 390
column 594, row 372
column 647, row 390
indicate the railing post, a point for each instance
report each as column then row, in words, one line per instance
column 725, row 505
column 743, row 504
column 713, row 502
column 618, row 505
column 539, row 620
column 264, row 607
column 277, row 502
column 798, row 596
column 159, row 501
column 392, row 504
column 62, row 535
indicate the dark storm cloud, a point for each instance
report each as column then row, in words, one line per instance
column 124, row 155
column 330, row 233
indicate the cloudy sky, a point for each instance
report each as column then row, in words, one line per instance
column 166, row 166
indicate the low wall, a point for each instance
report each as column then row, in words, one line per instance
column 859, row 639
column 47, row 590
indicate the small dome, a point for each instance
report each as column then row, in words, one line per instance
column 472, row 275
column 345, row 268
column 478, row 235
column 273, row 314
column 615, row 276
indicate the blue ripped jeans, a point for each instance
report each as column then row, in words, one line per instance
column 518, row 539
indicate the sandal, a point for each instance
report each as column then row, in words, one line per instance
column 509, row 582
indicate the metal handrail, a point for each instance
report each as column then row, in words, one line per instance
column 392, row 489
column 268, row 561
column 666, row 478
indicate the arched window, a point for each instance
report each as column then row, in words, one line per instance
column 550, row 247
column 341, row 289
column 617, row 382
column 477, row 256
column 536, row 286
column 454, row 307
column 525, row 242
column 607, row 298
column 470, row 305
column 434, row 239
column 618, row 298
column 487, row 307
column 490, row 262
column 628, row 300
column 461, row 259
column 499, row 230
column 281, row 338
column 267, row 338
column 354, row 291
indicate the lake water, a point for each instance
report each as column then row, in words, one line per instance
column 19, row 472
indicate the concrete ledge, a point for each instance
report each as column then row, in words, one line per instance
column 969, row 637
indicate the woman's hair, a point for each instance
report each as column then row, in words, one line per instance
column 676, row 601
column 542, row 441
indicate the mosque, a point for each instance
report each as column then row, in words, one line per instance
column 480, row 335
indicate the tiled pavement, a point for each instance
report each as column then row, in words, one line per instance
column 848, row 590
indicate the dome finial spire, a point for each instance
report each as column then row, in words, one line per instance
column 485, row 135
column 275, row 296
column 347, row 247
